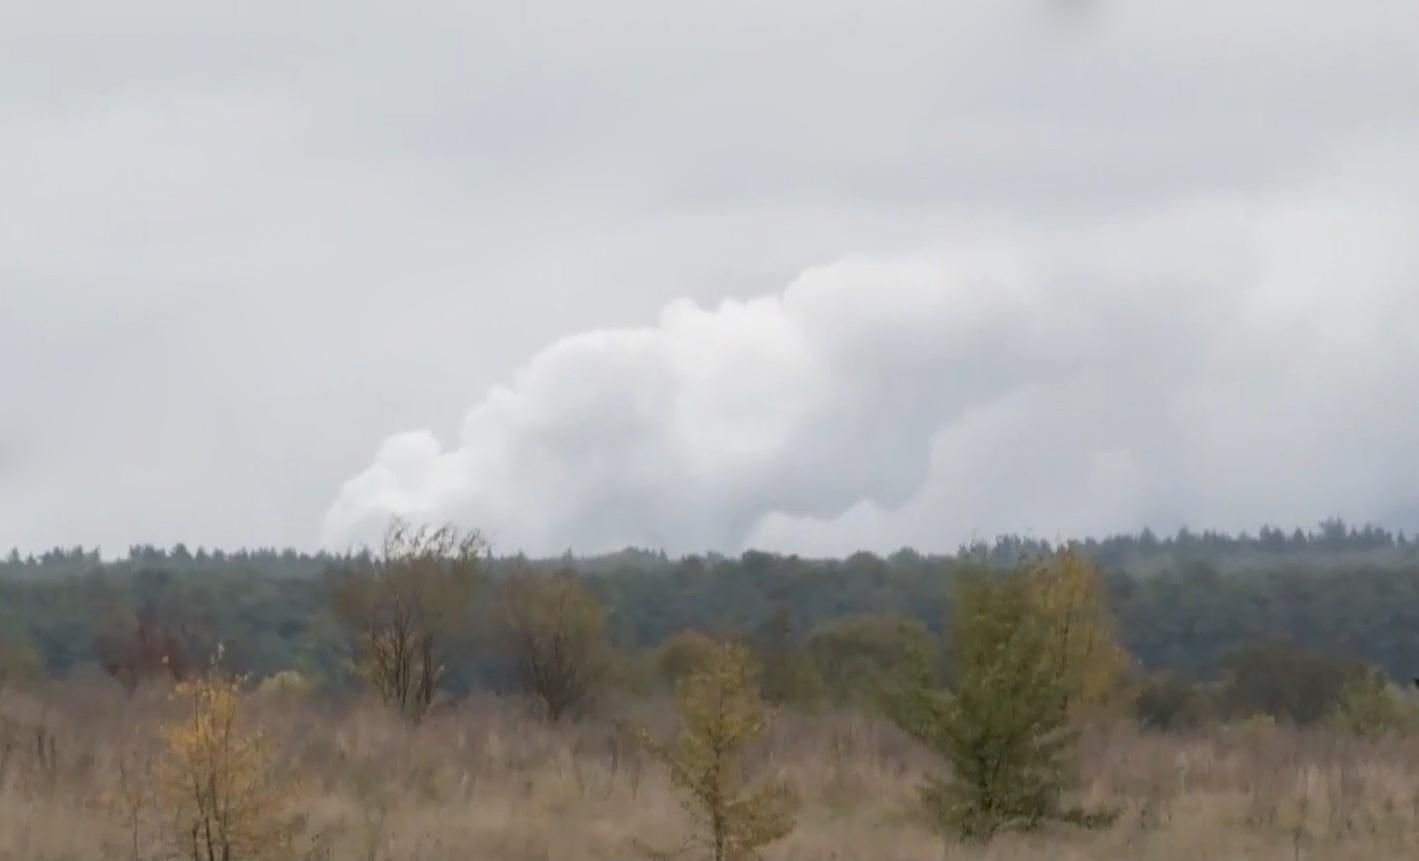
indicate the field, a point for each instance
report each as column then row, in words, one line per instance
column 483, row 780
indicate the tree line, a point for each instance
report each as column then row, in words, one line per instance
column 1198, row 611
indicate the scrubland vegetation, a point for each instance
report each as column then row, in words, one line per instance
column 482, row 781
column 484, row 709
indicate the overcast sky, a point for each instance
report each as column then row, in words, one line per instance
column 809, row 276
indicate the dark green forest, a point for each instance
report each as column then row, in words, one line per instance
column 1191, row 604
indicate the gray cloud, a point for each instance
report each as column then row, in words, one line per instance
column 241, row 245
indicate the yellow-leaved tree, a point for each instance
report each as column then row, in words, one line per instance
column 219, row 783
column 721, row 711
column 1084, row 649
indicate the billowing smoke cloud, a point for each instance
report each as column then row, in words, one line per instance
column 1218, row 364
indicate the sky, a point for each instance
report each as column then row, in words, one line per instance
column 802, row 276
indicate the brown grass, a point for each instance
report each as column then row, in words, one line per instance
column 483, row 781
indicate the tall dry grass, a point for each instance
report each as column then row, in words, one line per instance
column 484, row 781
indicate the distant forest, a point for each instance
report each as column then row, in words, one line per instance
column 1185, row 603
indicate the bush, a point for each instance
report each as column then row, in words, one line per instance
column 685, row 654
column 1370, row 705
column 1284, row 681
column 860, row 657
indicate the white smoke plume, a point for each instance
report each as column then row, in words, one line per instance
column 1225, row 363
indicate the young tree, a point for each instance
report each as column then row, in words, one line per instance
column 1084, row 649
column 218, row 778
column 720, row 712
column 404, row 605
column 1004, row 733
column 554, row 631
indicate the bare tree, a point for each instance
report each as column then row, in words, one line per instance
column 405, row 604
column 553, row 629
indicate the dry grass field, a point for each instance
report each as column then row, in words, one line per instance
column 78, row 768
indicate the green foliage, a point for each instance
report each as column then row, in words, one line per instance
column 1285, row 681
column 721, row 711
column 1183, row 602
column 787, row 672
column 1004, row 734
column 861, row 657
column 633, row 672
column 1369, row 705
column 685, row 654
